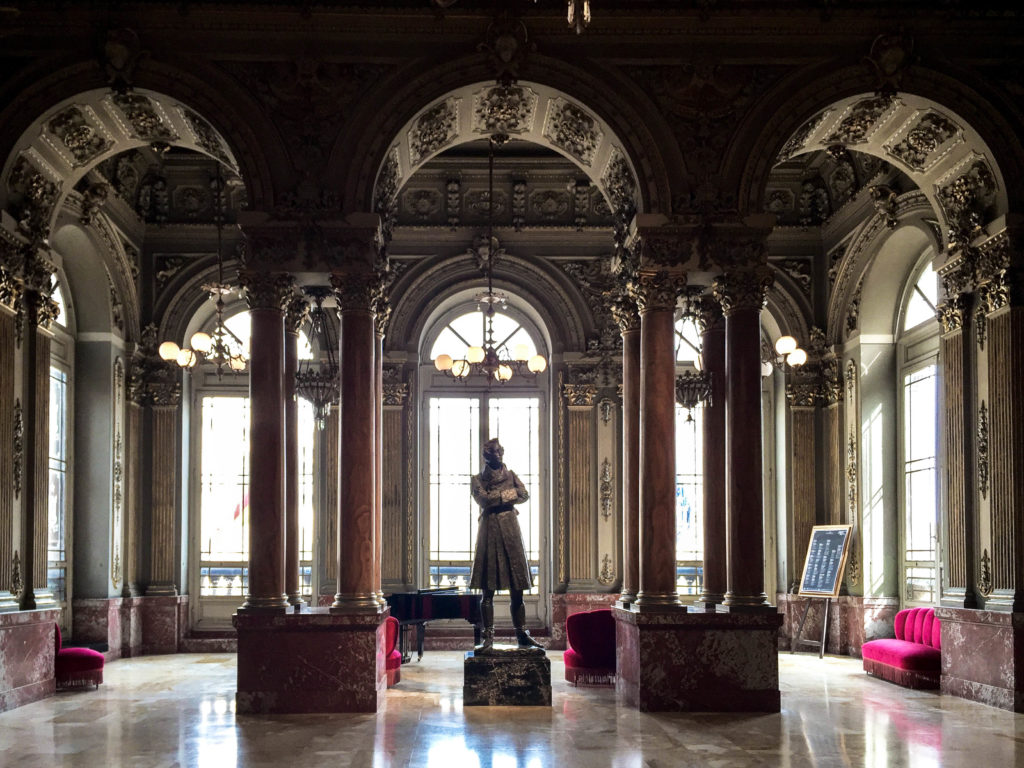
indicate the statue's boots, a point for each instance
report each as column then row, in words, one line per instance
column 487, row 619
column 522, row 634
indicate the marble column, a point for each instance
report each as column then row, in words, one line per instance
column 742, row 295
column 267, row 294
column 294, row 317
column 382, row 313
column 357, row 453
column 8, row 430
column 712, row 327
column 628, row 319
column 656, row 294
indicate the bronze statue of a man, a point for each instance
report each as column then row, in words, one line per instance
column 500, row 560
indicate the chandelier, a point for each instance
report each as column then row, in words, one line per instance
column 317, row 378
column 693, row 388
column 493, row 360
column 221, row 348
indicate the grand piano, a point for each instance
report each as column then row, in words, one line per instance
column 417, row 608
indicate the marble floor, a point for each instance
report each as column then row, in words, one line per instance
column 178, row 711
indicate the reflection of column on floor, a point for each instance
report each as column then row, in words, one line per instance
column 656, row 294
column 742, row 295
column 267, row 294
column 626, row 315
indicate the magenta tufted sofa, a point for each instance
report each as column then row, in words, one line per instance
column 392, row 657
column 590, row 658
column 914, row 657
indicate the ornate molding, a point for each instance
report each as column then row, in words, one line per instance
column 573, row 129
column 356, row 291
column 607, row 575
column 951, row 314
column 607, row 489
column 853, row 563
column 141, row 113
column 607, row 408
column 18, row 445
column 983, row 465
column 985, row 585
column 504, row 109
column 965, row 201
column 579, row 394
column 17, row 581
column 434, row 129
column 921, row 142
column 78, row 135
column 856, row 126
column 657, row 290
column 395, row 391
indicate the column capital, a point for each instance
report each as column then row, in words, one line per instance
column 951, row 313
column 657, row 290
column 355, row 291
column 743, row 288
column 267, row 290
column 708, row 314
column 624, row 310
column 395, row 391
column 580, row 394
column 382, row 308
column 295, row 313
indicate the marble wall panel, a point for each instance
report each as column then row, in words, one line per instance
column 26, row 657
column 983, row 656
column 566, row 604
column 160, row 624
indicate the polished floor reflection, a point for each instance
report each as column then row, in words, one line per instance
column 178, row 711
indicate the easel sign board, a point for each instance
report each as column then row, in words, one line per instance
column 826, row 560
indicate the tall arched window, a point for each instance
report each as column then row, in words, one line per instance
column 689, row 472
column 460, row 417
column 58, row 547
column 221, row 523
column 919, row 407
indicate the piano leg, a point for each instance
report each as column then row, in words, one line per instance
column 403, row 644
column 420, row 628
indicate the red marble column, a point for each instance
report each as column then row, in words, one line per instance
column 742, row 295
column 378, row 448
column 356, row 454
column 656, row 295
column 267, row 295
column 629, row 323
column 294, row 318
column 713, row 354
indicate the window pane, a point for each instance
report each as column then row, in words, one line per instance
column 454, row 458
column 469, row 329
column 687, row 341
column 920, row 478
column 689, row 500
column 515, row 421
column 56, row 570
column 921, row 306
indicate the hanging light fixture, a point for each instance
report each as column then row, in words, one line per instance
column 693, row 388
column 578, row 15
column 317, row 379
column 492, row 361
column 787, row 352
column 221, row 348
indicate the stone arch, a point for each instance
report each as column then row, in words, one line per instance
column 89, row 280
column 878, row 244
column 629, row 134
column 427, row 291
column 922, row 131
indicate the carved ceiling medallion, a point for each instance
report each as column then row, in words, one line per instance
column 571, row 128
column 504, row 109
column 435, row 128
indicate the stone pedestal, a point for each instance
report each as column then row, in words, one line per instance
column 698, row 662
column 313, row 661
column 507, row 677
column 983, row 656
column 26, row 653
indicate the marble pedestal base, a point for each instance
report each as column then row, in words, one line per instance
column 983, row 656
column 26, row 656
column 313, row 661
column 507, row 677
column 697, row 662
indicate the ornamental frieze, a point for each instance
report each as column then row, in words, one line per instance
column 421, row 203
column 145, row 121
column 434, row 129
column 504, row 109
column 478, row 202
column 572, row 129
column 931, row 132
column 549, row 204
column 856, row 126
column 606, row 490
column 78, row 136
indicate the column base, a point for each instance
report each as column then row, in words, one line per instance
column 994, row 676
column 357, row 603
column 8, row 602
column 313, row 661
column 697, row 662
column 656, row 602
column 295, row 602
column 161, row 589
column 44, row 599
column 277, row 604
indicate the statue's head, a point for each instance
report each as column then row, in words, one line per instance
column 493, row 453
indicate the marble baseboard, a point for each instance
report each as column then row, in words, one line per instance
column 27, row 645
column 315, row 661
column 507, row 678
column 563, row 605
column 983, row 656
column 853, row 620
column 162, row 622
column 697, row 662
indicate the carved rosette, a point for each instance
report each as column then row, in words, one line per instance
column 983, row 465
column 657, row 290
column 573, row 129
column 743, row 289
column 951, row 314
column 434, row 129
column 146, row 123
column 77, row 135
column 931, row 131
column 579, row 394
column 267, row 290
column 507, row 109
column 856, row 125
column 356, row 292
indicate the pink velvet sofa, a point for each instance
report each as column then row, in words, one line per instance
column 590, row 657
column 913, row 658
column 392, row 657
column 76, row 667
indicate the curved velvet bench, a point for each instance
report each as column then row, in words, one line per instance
column 913, row 659
column 590, row 657
column 76, row 667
